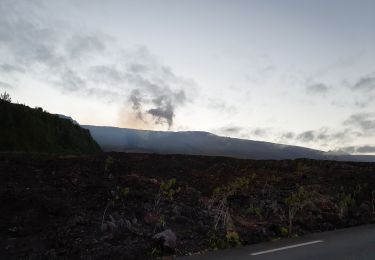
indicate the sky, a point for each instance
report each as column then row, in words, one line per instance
column 293, row 72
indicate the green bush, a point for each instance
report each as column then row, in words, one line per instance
column 218, row 204
column 296, row 202
column 284, row 231
column 168, row 189
column 346, row 202
column 231, row 239
column 253, row 210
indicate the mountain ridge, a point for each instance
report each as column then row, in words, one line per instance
column 205, row 143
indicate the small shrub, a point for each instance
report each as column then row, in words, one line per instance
column 268, row 185
column 255, row 211
column 218, row 204
column 373, row 202
column 108, row 163
column 5, row 97
column 168, row 189
column 161, row 221
column 346, row 201
column 233, row 239
column 284, row 231
column 118, row 195
column 214, row 242
column 155, row 252
column 125, row 191
column 296, row 202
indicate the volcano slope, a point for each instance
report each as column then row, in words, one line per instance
column 111, row 206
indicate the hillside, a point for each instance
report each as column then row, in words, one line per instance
column 24, row 129
column 204, row 143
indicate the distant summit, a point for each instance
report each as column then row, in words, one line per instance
column 204, row 143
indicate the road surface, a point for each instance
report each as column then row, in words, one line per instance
column 350, row 243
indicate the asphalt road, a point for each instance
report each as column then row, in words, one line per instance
column 351, row 243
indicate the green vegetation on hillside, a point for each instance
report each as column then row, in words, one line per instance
column 24, row 129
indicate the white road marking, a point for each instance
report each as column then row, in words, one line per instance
column 286, row 247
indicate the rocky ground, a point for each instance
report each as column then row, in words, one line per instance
column 140, row 206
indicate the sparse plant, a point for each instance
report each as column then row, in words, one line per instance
column 284, row 231
column 5, row 97
column 108, row 163
column 296, row 202
column 120, row 194
column 218, row 204
column 155, row 252
column 214, row 242
column 255, row 211
column 358, row 189
column 105, row 213
column 373, row 202
column 268, row 184
column 117, row 195
column 168, row 189
column 240, row 183
column 233, row 239
column 125, row 191
column 161, row 221
column 346, row 201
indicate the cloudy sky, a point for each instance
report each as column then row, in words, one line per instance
column 295, row 72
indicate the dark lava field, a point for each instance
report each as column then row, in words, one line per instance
column 142, row 206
